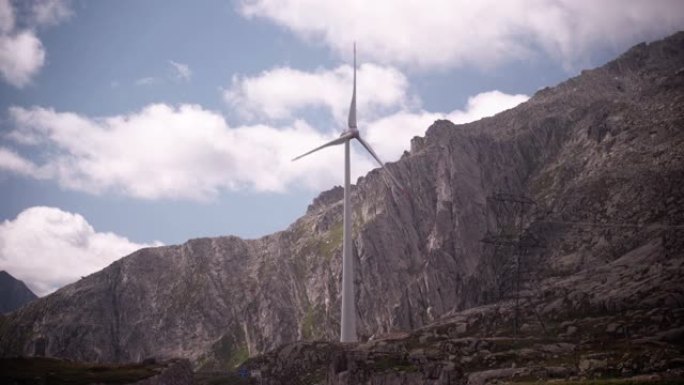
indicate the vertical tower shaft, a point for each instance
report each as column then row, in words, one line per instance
column 348, row 322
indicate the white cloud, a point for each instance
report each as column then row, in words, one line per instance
column 390, row 118
column 50, row 12
column 391, row 135
column 21, row 57
column 147, row 81
column 282, row 92
column 174, row 153
column 22, row 54
column 181, row 71
column 486, row 104
column 449, row 33
column 48, row 248
column 191, row 153
column 14, row 163
column 6, row 16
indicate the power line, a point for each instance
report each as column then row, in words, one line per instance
column 512, row 241
column 612, row 225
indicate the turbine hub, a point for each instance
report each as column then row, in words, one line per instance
column 354, row 132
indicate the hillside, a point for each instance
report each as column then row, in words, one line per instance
column 600, row 155
column 13, row 293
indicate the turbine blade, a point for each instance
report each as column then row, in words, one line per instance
column 377, row 158
column 333, row 142
column 352, row 109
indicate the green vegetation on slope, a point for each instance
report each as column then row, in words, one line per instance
column 607, row 381
column 38, row 370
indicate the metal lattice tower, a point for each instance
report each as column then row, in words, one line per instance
column 509, row 241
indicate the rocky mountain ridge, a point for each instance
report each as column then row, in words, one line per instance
column 601, row 155
column 13, row 293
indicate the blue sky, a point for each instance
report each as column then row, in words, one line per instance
column 131, row 123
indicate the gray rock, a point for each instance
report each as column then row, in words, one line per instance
column 481, row 378
column 13, row 293
column 593, row 363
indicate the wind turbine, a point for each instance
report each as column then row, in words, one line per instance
column 348, row 321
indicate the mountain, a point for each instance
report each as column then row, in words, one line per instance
column 13, row 293
column 580, row 191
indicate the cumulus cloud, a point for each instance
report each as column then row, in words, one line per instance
column 391, row 135
column 486, row 104
column 21, row 57
column 181, row 71
column 184, row 152
column 22, row 54
column 279, row 93
column 188, row 152
column 50, row 12
column 450, row 33
column 14, row 163
column 48, row 248
column 147, row 81
column 6, row 16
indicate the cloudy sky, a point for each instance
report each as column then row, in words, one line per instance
column 127, row 123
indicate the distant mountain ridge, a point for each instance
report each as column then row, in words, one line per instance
column 13, row 293
column 601, row 154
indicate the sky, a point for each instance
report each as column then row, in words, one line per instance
column 127, row 124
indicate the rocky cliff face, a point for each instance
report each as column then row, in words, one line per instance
column 622, row 320
column 13, row 293
column 602, row 155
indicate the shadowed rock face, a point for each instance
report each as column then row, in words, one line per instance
column 13, row 293
column 602, row 154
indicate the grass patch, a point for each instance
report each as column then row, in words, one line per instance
column 313, row 318
column 607, row 381
column 316, row 247
column 220, row 378
column 239, row 355
column 396, row 363
column 226, row 354
column 229, row 352
column 331, row 241
column 38, row 370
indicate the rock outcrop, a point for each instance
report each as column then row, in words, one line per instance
column 570, row 328
column 13, row 293
column 601, row 155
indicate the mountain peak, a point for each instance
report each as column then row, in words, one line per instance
column 13, row 293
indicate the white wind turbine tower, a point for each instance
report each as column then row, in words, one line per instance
column 348, row 321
